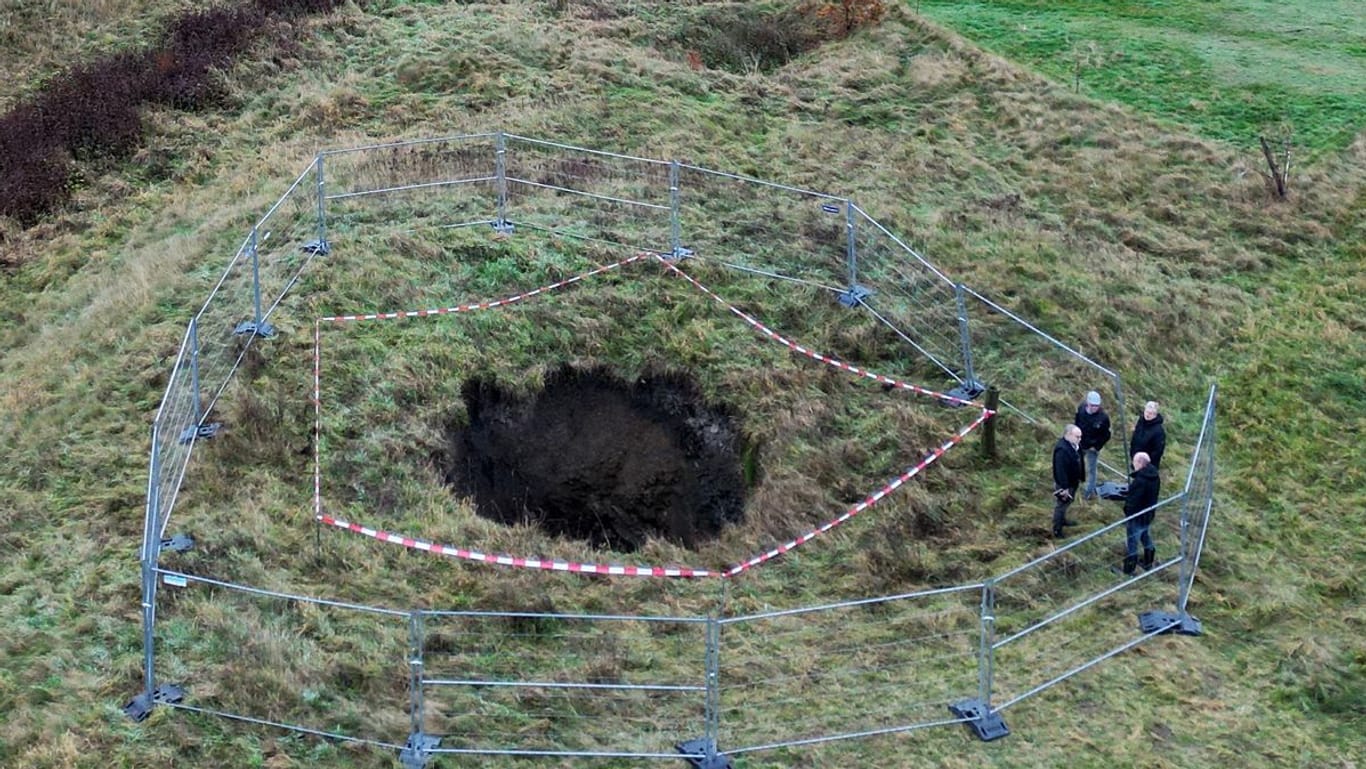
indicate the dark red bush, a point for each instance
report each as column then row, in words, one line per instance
column 297, row 7
column 93, row 112
column 32, row 185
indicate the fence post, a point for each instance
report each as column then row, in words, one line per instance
column 1157, row 621
column 255, row 277
column 993, row 403
column 415, row 674
column 257, row 326
column 322, row 198
column 501, row 181
column 965, row 338
column 713, row 708
column 140, row 707
column 851, row 243
column 853, row 293
column 1190, row 551
column 986, row 664
column 415, row 752
column 1205, row 505
column 194, row 373
column 976, row 713
column 675, row 226
column 150, row 543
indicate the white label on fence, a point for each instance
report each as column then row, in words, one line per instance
column 173, row 579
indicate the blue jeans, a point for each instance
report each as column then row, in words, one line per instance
column 1091, row 457
column 1135, row 530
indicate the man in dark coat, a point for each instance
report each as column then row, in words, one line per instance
column 1095, row 433
column 1150, row 437
column 1143, row 490
column 1066, row 476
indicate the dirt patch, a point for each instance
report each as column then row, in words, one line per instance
column 596, row 458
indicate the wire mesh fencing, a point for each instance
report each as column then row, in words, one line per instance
column 1041, row 379
column 911, row 297
column 173, row 432
column 824, row 673
column 283, row 242
column 295, row 662
column 764, row 228
column 562, row 684
column 1067, row 606
column 632, row 685
column 429, row 183
column 1198, row 503
column 573, row 192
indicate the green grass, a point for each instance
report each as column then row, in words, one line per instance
column 1228, row 70
column 1154, row 248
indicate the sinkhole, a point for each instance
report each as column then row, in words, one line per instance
column 597, row 458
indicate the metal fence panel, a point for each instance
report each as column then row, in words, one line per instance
column 1042, row 607
column 446, row 182
column 230, row 304
column 575, row 192
column 1041, row 379
column 908, row 295
column 289, row 661
column 172, row 435
column 286, row 239
column 1077, row 642
column 825, row 673
column 563, row 684
column 1198, row 503
column 766, row 228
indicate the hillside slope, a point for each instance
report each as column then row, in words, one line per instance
column 1154, row 249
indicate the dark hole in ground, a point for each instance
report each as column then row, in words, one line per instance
column 596, row 458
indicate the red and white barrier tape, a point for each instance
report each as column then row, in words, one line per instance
column 867, row 502
column 652, row 571
column 829, row 361
column 611, row 569
column 482, row 305
column 525, row 563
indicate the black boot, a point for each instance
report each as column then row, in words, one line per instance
column 1149, row 556
column 1130, row 561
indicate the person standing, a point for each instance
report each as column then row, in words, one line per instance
column 1066, row 476
column 1095, row 433
column 1143, row 490
column 1150, row 437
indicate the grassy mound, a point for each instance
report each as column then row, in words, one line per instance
column 1156, row 250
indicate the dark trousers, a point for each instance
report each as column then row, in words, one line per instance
column 1060, row 512
column 1136, row 531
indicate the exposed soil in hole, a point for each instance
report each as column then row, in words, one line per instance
column 596, row 458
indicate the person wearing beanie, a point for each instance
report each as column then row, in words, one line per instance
column 1095, row 433
column 1066, row 477
column 1150, row 437
column 1142, row 497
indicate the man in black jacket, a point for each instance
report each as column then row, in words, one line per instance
column 1143, row 490
column 1150, row 437
column 1066, row 476
column 1095, row 433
